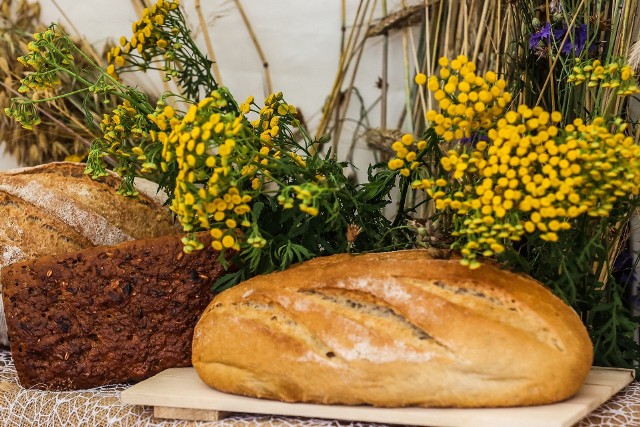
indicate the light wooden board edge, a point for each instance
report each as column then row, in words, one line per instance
column 601, row 384
column 189, row 414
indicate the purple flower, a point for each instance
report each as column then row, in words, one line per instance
column 576, row 45
column 579, row 39
column 542, row 34
column 558, row 36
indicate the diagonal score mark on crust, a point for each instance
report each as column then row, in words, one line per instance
column 280, row 316
column 504, row 308
column 459, row 290
column 367, row 303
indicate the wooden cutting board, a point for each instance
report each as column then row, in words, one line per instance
column 179, row 393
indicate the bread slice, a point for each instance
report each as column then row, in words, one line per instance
column 107, row 314
column 25, row 230
column 55, row 208
column 62, row 190
column 394, row 329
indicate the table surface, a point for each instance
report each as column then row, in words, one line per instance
column 101, row 407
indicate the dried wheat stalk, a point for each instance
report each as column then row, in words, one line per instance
column 63, row 133
column 449, row 28
column 55, row 138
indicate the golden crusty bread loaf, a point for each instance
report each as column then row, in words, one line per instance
column 393, row 329
column 55, row 208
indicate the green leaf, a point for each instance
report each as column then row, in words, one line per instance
column 257, row 210
column 291, row 253
column 229, row 280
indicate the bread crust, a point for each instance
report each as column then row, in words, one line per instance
column 55, row 208
column 63, row 191
column 390, row 330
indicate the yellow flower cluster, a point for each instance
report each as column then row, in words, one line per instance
column 164, row 118
column 610, row 164
column 517, row 172
column 123, row 122
column 616, row 75
column 467, row 101
column 125, row 129
column 207, row 192
column 531, row 177
column 148, row 35
column 272, row 119
column 407, row 151
column 224, row 161
column 307, row 193
column 45, row 46
column 270, row 115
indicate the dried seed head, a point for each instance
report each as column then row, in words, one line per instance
column 352, row 232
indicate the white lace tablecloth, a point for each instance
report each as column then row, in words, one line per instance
column 20, row 407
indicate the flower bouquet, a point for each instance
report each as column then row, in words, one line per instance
column 489, row 179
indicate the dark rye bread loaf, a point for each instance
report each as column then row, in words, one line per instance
column 55, row 208
column 108, row 314
column 393, row 329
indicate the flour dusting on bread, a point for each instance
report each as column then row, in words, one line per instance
column 11, row 254
column 396, row 352
column 390, row 287
column 93, row 226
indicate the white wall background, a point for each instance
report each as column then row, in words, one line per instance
column 301, row 41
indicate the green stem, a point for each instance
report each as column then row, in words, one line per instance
column 53, row 98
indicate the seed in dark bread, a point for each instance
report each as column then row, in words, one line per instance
column 64, row 324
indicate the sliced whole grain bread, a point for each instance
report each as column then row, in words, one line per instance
column 107, row 314
column 55, row 208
